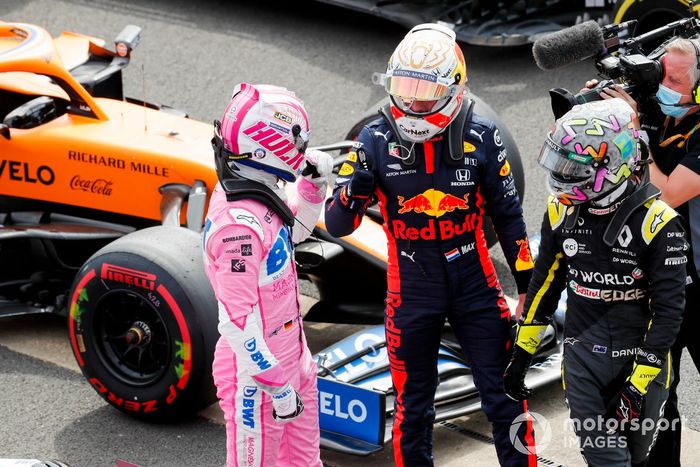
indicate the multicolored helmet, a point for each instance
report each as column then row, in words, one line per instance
column 425, row 79
column 264, row 127
column 593, row 149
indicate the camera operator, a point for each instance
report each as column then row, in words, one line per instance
column 672, row 122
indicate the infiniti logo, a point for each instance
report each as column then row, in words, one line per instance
column 98, row 186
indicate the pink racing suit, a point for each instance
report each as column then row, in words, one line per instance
column 249, row 259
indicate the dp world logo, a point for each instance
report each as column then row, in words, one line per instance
column 540, row 424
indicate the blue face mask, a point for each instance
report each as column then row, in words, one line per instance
column 666, row 98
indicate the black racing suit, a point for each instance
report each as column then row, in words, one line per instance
column 439, row 267
column 624, row 306
column 672, row 145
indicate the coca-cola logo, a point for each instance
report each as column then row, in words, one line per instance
column 99, row 186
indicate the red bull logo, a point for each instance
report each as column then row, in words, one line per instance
column 393, row 334
column 524, row 260
column 436, row 229
column 433, row 203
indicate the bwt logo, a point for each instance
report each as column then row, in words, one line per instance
column 256, row 356
column 273, row 141
column 248, row 412
column 333, row 405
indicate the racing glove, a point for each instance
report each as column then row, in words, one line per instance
column 286, row 405
column 319, row 166
column 626, row 406
column 527, row 339
column 361, row 185
column 628, row 403
column 514, row 376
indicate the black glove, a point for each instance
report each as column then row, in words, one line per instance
column 626, row 405
column 361, row 185
column 514, row 376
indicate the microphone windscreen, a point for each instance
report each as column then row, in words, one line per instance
column 568, row 45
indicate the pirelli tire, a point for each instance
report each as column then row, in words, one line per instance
column 482, row 108
column 142, row 324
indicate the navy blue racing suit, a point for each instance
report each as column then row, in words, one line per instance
column 439, row 267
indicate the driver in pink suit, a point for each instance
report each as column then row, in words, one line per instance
column 264, row 374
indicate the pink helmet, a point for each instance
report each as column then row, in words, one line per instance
column 264, row 127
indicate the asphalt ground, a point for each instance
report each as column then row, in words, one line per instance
column 190, row 57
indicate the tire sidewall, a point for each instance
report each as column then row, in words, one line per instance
column 650, row 13
column 184, row 383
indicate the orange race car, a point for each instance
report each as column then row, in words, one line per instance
column 102, row 201
column 96, row 190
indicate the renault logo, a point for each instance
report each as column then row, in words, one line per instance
column 463, row 175
column 625, row 236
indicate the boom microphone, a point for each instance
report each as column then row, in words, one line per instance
column 568, row 46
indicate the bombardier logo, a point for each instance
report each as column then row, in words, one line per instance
column 144, row 280
column 277, row 143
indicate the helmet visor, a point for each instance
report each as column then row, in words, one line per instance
column 563, row 164
column 416, row 85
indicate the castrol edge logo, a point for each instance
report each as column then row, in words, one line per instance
column 128, row 276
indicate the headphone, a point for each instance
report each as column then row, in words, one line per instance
column 696, row 86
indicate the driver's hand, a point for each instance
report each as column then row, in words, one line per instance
column 319, row 166
column 520, row 307
column 362, row 184
column 286, row 405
